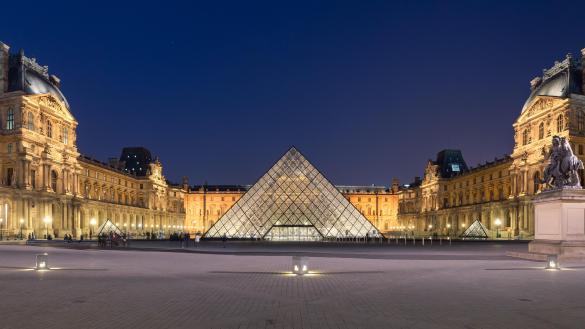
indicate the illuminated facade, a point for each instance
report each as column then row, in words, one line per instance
column 47, row 186
column 499, row 193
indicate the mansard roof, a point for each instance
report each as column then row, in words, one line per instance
column 561, row 80
column 25, row 74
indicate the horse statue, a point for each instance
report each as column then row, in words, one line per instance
column 562, row 171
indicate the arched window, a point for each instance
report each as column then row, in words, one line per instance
column 580, row 121
column 54, row 180
column 525, row 137
column 10, row 119
column 49, row 129
column 541, row 131
column 31, row 121
column 560, row 123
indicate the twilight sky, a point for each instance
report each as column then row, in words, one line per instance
column 367, row 90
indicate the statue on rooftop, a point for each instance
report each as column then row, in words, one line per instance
column 562, row 172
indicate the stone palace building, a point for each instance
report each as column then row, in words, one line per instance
column 46, row 185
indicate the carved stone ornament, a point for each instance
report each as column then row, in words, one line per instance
column 562, row 171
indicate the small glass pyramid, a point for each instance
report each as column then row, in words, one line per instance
column 108, row 227
column 475, row 231
column 293, row 201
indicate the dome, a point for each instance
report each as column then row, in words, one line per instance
column 26, row 75
column 562, row 80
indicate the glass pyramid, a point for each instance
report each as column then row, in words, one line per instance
column 293, row 201
column 108, row 227
column 475, row 231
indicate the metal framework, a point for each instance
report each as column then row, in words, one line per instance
column 292, row 201
column 475, row 231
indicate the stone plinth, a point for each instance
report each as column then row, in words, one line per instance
column 559, row 217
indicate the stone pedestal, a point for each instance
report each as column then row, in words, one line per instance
column 559, row 217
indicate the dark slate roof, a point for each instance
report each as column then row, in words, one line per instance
column 451, row 163
column 25, row 74
column 561, row 80
column 135, row 160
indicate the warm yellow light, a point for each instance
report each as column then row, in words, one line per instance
column 498, row 222
column 92, row 221
column 448, row 225
column 47, row 220
column 21, row 221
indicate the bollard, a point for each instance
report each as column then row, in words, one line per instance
column 431, row 238
column 423, row 240
column 413, row 241
column 449, row 238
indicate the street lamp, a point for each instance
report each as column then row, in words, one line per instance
column 92, row 223
column 498, row 222
column 21, row 224
column 47, row 220
column 449, row 229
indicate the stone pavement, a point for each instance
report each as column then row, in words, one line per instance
column 136, row 289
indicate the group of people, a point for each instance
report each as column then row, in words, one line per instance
column 112, row 239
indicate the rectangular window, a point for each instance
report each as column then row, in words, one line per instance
column 65, row 133
column 9, row 148
column 10, row 119
column 33, row 181
column 580, row 149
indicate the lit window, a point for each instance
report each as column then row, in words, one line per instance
column 49, row 129
column 31, row 121
column 525, row 137
column 65, row 133
column 10, row 119
column 541, row 131
column 9, row 148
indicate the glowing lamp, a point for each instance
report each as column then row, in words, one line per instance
column 300, row 265
column 552, row 262
column 42, row 262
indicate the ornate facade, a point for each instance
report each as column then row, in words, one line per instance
column 499, row 193
column 46, row 186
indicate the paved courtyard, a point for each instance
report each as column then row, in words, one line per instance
column 387, row 287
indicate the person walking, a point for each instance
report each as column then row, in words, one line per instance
column 224, row 239
column 197, row 238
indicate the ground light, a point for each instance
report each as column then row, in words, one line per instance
column 300, row 265
column 42, row 262
column 552, row 262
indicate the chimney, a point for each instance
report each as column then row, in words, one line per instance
column 55, row 81
column 4, row 56
column 395, row 185
column 534, row 83
column 185, row 183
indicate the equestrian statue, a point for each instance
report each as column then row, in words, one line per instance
column 562, row 172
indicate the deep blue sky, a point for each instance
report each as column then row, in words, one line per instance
column 367, row 90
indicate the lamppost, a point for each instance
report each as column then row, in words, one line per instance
column 448, row 229
column 21, row 224
column 1, row 236
column 498, row 222
column 92, row 223
column 47, row 220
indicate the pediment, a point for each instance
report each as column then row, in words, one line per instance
column 51, row 102
column 540, row 104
